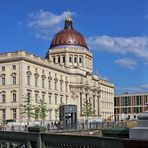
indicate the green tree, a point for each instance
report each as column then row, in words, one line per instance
column 36, row 113
column 28, row 108
column 42, row 110
column 87, row 109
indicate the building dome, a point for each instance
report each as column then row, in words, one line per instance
column 68, row 36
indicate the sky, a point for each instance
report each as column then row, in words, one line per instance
column 116, row 32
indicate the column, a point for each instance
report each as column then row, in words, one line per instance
column 131, row 104
column 78, row 61
column 142, row 100
column 66, row 59
column 84, row 61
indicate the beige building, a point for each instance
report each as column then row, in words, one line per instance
column 64, row 76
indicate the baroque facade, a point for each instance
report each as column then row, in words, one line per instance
column 64, row 76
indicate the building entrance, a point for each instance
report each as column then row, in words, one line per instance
column 68, row 116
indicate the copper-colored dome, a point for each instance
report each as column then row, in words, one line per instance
column 68, row 36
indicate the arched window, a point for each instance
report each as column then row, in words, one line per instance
column 3, row 79
column 13, row 78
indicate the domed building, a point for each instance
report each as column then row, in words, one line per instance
column 64, row 77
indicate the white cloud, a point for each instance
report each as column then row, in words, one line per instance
column 126, row 62
column 136, row 45
column 45, row 23
column 132, row 89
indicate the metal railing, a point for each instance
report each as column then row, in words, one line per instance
column 79, row 126
column 10, row 139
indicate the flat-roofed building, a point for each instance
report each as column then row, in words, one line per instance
column 128, row 105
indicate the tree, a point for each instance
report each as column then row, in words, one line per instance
column 28, row 108
column 41, row 110
column 87, row 109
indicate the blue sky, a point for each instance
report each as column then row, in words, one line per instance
column 116, row 32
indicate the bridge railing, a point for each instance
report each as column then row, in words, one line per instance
column 10, row 139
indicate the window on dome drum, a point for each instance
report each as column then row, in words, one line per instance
column 14, row 97
column 63, row 59
column 70, row 59
column 59, row 59
column 75, row 59
column 3, row 98
column 3, row 68
column 54, row 59
column 14, row 67
column 14, row 113
column 3, row 114
column 80, row 60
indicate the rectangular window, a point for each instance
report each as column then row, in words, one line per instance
column 14, row 80
column 43, row 81
column 70, row 59
column 14, row 67
column 14, row 113
column 3, row 98
column 75, row 59
column 66, row 100
column 56, row 101
column 14, row 97
column 43, row 97
column 3, row 80
column 36, row 81
column 54, row 59
column 36, row 98
column 3, row 68
column 49, row 83
column 59, row 59
column 50, row 102
column 36, row 70
column 61, row 100
column 28, row 80
column 66, row 87
column 3, row 114
column 55, row 85
column 28, row 67
column 80, row 60
column 64, row 59
column 61, row 84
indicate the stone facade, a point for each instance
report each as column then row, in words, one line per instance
column 65, row 76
